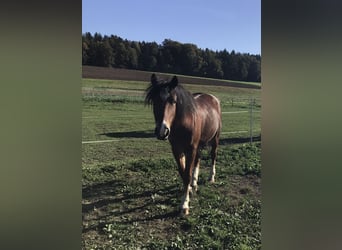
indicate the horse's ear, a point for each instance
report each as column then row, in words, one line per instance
column 174, row 82
column 154, row 80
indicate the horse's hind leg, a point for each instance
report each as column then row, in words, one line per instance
column 213, row 159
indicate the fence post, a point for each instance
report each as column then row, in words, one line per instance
column 251, row 121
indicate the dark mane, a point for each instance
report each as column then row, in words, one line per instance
column 152, row 93
column 185, row 100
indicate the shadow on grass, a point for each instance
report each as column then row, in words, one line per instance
column 108, row 202
column 131, row 134
column 238, row 140
column 105, row 194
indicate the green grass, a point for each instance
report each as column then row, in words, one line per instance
column 132, row 190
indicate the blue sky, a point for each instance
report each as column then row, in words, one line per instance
column 216, row 24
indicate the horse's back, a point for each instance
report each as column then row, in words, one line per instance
column 208, row 102
column 209, row 110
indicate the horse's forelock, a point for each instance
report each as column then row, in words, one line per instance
column 185, row 100
column 160, row 88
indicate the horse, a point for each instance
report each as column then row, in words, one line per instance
column 189, row 122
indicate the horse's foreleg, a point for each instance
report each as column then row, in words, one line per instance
column 189, row 162
column 180, row 158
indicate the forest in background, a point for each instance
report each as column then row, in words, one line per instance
column 169, row 57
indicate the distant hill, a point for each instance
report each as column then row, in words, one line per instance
column 137, row 75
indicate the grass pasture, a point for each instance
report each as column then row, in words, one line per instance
column 130, row 184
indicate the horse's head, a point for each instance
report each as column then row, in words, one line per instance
column 162, row 96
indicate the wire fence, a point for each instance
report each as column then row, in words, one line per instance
column 241, row 115
column 250, row 108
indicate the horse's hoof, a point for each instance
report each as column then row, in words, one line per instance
column 193, row 191
column 185, row 211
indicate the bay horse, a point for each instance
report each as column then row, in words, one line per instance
column 189, row 122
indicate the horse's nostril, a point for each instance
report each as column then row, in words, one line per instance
column 162, row 132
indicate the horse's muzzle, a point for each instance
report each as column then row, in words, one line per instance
column 162, row 132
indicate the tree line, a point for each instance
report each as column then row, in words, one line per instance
column 169, row 57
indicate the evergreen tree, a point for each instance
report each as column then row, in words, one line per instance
column 171, row 56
